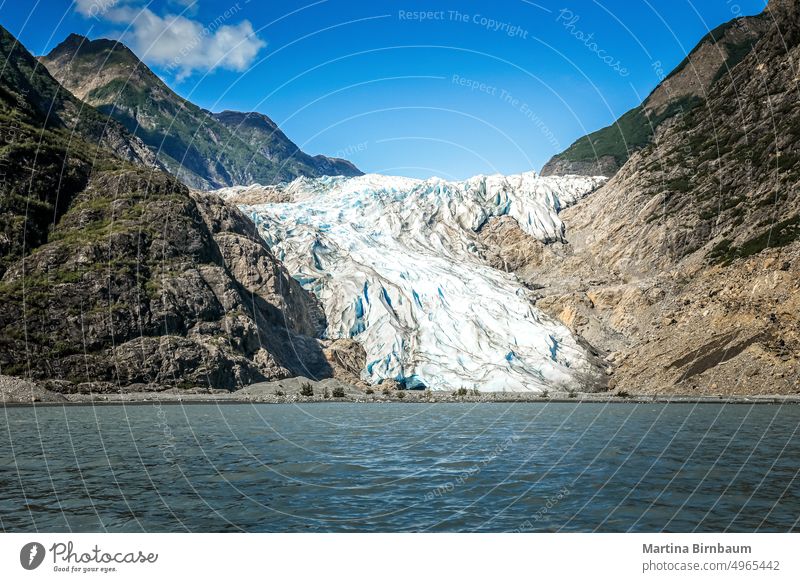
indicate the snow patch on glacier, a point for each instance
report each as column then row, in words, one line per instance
column 393, row 261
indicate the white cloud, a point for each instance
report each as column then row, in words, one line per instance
column 189, row 7
column 181, row 45
column 94, row 8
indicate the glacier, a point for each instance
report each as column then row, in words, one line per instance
column 393, row 261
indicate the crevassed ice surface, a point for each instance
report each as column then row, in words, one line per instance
column 393, row 262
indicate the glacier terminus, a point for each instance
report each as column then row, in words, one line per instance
column 393, row 261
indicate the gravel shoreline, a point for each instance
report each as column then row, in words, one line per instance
column 18, row 392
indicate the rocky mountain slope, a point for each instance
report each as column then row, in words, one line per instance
column 204, row 150
column 604, row 151
column 116, row 274
column 685, row 267
column 41, row 121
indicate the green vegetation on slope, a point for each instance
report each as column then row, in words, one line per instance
column 44, row 162
column 778, row 235
column 630, row 132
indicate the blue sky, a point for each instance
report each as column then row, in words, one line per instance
column 473, row 87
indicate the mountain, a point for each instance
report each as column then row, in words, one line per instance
column 45, row 123
column 263, row 135
column 204, row 150
column 685, row 266
column 30, row 94
column 399, row 265
column 115, row 274
column 604, row 151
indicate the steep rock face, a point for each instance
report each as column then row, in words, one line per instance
column 141, row 282
column 397, row 264
column 50, row 144
column 603, row 152
column 683, row 267
column 116, row 274
column 202, row 149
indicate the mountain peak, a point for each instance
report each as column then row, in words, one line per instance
column 252, row 119
column 86, row 66
column 77, row 47
column 73, row 40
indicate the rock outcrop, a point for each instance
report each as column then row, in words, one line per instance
column 600, row 165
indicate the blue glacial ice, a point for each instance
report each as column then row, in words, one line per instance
column 393, row 262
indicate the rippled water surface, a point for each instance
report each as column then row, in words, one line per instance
column 400, row 467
